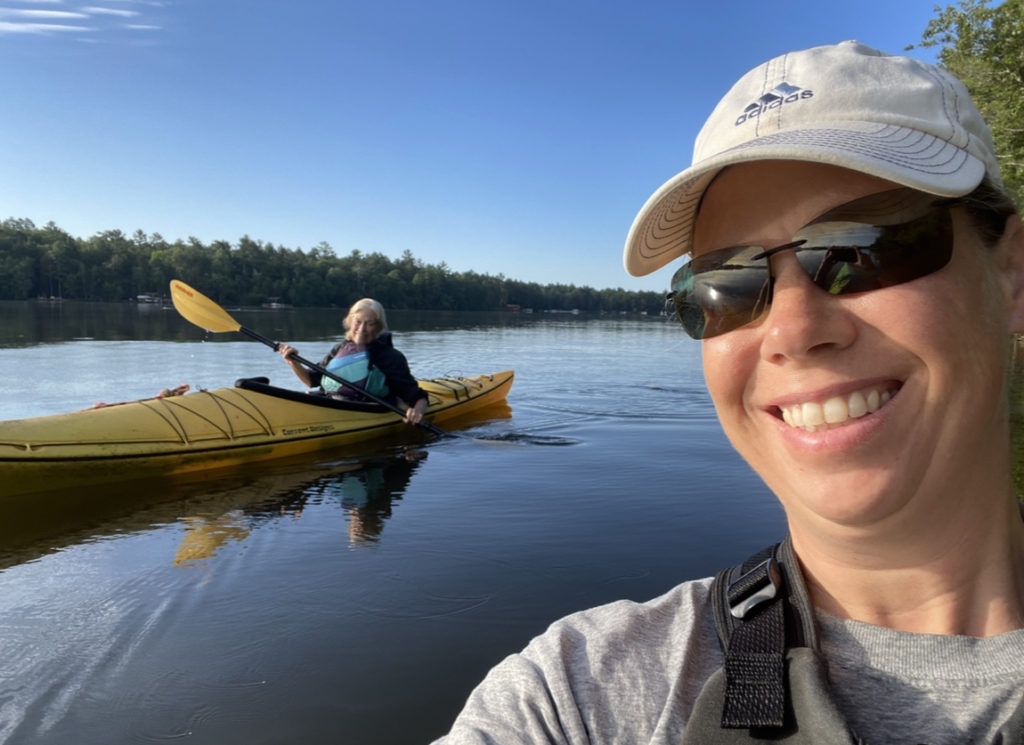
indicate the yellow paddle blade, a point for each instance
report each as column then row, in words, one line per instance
column 196, row 308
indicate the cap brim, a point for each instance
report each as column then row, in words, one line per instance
column 663, row 229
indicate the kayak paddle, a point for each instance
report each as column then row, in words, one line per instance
column 196, row 308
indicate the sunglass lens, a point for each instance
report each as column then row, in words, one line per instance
column 721, row 291
column 853, row 258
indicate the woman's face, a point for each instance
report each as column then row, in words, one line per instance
column 362, row 326
column 933, row 347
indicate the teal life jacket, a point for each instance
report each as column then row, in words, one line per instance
column 773, row 686
column 355, row 368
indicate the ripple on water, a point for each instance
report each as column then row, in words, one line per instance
column 70, row 627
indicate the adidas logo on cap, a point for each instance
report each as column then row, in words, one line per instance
column 781, row 94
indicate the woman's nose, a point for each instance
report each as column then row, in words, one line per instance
column 803, row 319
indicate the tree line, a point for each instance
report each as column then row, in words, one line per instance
column 110, row 266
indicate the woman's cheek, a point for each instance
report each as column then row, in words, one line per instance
column 729, row 367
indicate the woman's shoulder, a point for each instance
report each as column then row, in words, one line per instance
column 384, row 340
column 383, row 346
column 617, row 672
column 673, row 631
column 682, row 611
column 382, row 350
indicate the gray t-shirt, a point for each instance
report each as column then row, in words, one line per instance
column 630, row 673
column 897, row 687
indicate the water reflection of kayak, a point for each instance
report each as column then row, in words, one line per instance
column 222, row 428
column 214, row 508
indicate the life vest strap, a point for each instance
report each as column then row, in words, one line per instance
column 755, row 670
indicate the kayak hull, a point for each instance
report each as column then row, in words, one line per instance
column 217, row 429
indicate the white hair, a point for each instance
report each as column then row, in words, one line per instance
column 371, row 306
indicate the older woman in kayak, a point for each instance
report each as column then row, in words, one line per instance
column 365, row 359
column 854, row 271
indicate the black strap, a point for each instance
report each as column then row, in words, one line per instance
column 750, row 613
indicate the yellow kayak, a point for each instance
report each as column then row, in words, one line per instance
column 220, row 428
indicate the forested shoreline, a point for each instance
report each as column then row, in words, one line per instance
column 111, row 266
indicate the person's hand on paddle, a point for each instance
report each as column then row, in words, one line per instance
column 414, row 414
column 290, row 353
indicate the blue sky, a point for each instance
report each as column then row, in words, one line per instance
column 499, row 136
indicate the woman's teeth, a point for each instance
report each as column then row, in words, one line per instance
column 814, row 417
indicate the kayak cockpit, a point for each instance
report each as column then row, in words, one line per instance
column 262, row 385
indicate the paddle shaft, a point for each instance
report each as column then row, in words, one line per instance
column 323, row 371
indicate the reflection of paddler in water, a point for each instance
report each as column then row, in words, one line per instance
column 366, row 495
column 364, row 489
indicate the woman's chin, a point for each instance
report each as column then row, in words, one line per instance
column 845, row 503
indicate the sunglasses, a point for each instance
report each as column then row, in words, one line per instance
column 878, row 241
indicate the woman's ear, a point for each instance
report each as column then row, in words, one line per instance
column 1011, row 245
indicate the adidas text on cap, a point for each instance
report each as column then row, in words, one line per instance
column 846, row 105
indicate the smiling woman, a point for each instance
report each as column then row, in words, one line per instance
column 855, row 276
column 367, row 360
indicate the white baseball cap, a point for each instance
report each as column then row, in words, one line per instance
column 846, row 105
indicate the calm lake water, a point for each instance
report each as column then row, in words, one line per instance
column 356, row 599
